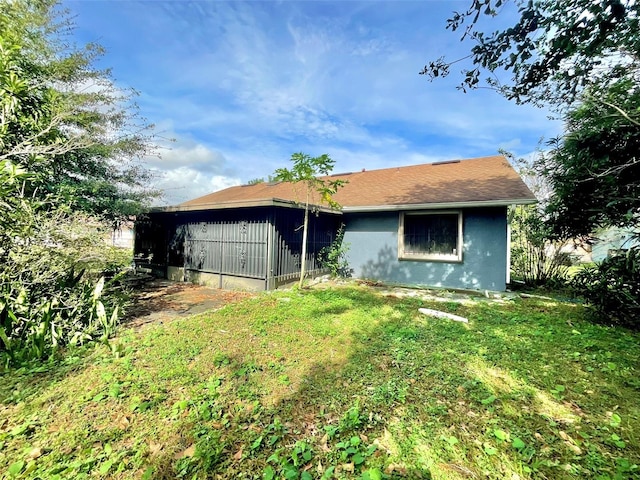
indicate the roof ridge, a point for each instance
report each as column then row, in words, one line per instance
column 433, row 163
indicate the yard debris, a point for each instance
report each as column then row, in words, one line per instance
column 238, row 455
column 155, row 448
column 187, row 453
column 538, row 297
column 463, row 471
column 439, row 314
column 35, row 453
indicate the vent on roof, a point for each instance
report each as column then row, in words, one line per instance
column 447, row 162
column 341, row 174
column 271, row 184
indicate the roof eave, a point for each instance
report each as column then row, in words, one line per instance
column 438, row 206
column 270, row 202
column 277, row 202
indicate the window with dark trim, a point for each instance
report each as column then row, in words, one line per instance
column 430, row 236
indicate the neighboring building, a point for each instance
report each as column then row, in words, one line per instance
column 613, row 241
column 123, row 236
column 441, row 224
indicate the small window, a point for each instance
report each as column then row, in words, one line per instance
column 430, row 236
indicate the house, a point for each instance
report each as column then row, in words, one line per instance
column 613, row 241
column 439, row 224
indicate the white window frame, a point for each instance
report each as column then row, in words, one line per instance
column 432, row 257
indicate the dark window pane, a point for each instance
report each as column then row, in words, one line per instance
column 431, row 234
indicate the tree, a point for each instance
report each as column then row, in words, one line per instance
column 305, row 170
column 554, row 50
column 68, row 146
column 594, row 169
column 66, row 121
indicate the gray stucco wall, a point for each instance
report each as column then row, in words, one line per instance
column 373, row 252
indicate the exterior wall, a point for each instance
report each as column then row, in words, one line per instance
column 373, row 252
column 230, row 282
column 250, row 249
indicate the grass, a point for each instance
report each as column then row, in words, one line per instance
column 336, row 383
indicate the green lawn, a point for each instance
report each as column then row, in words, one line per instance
column 336, row 383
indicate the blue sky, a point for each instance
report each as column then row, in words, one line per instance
column 241, row 86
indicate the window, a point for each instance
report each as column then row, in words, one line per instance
column 430, row 236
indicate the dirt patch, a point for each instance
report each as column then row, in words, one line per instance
column 159, row 301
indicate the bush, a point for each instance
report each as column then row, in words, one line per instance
column 334, row 256
column 613, row 288
column 52, row 289
column 535, row 259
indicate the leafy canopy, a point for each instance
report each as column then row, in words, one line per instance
column 306, row 169
column 65, row 121
column 594, row 170
column 69, row 144
column 582, row 59
column 553, row 51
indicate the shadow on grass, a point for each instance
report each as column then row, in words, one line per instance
column 499, row 398
column 26, row 381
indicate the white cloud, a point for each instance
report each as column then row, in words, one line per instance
column 196, row 156
column 185, row 183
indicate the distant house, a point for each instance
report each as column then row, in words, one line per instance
column 440, row 224
column 613, row 241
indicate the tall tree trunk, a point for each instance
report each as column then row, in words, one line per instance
column 303, row 260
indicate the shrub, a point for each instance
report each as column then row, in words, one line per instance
column 613, row 288
column 52, row 289
column 334, row 256
column 535, row 259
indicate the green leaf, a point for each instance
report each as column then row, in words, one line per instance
column 615, row 420
column 257, row 442
column 500, row 434
column 372, row 474
column 489, row 400
column 357, row 459
column 97, row 291
column 148, row 474
column 19, row 430
column 306, row 476
column 489, row 450
column 114, row 390
column 105, row 467
column 269, row 473
column 517, row 443
column 328, row 473
column 15, row 468
column 617, row 441
column 290, row 472
column 101, row 313
column 452, row 441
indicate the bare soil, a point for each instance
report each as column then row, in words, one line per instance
column 159, row 301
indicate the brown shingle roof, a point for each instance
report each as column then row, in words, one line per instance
column 483, row 180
